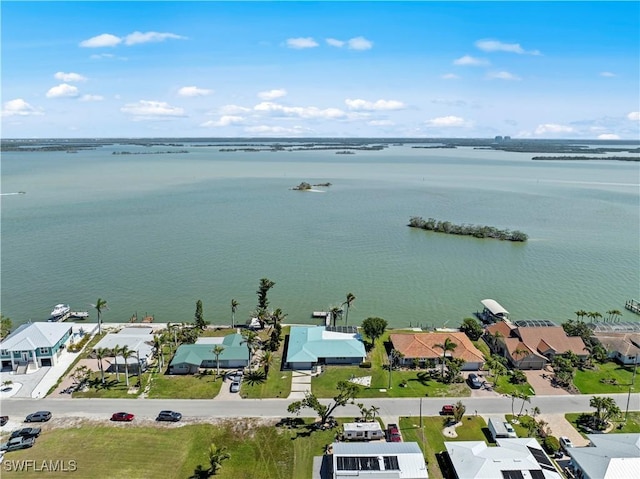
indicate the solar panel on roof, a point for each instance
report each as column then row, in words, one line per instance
column 542, row 458
column 343, row 329
column 391, row 463
column 536, row 474
column 512, row 474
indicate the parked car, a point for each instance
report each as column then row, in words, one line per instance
column 172, row 416
column 40, row 416
column 122, row 416
column 235, row 387
column 447, row 410
column 18, row 443
column 4, row 420
column 26, row 432
column 565, row 443
column 392, row 428
column 473, row 381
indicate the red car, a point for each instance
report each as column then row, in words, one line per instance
column 447, row 410
column 122, row 416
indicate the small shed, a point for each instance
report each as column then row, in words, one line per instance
column 362, row 431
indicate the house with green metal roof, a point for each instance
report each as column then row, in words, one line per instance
column 189, row 358
column 309, row 346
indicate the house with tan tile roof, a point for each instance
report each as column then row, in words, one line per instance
column 532, row 347
column 623, row 347
column 422, row 347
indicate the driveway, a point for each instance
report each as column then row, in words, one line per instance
column 225, row 394
column 561, row 427
column 300, row 384
column 540, row 381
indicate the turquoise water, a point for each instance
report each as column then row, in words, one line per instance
column 155, row 233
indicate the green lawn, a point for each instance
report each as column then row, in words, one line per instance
column 431, row 439
column 276, row 385
column 508, row 388
column 112, row 387
column 588, row 381
column 632, row 425
column 187, row 386
column 165, row 451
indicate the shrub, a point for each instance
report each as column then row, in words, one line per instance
column 518, row 377
column 365, row 364
column 551, row 444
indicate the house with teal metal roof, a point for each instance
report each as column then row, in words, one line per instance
column 189, row 358
column 309, row 346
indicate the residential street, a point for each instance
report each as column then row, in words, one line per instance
column 148, row 408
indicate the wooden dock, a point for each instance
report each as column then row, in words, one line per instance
column 633, row 306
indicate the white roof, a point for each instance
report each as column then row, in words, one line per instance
column 210, row 340
column 475, row 460
column 135, row 342
column 362, row 426
column 493, row 306
column 613, row 456
column 29, row 336
column 410, row 458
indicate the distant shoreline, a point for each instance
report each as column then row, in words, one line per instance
column 588, row 158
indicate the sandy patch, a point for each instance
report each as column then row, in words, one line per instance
column 450, row 431
column 363, row 381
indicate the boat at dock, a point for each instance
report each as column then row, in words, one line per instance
column 59, row 311
column 492, row 312
column 79, row 314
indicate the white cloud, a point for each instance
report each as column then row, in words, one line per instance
column 634, row 116
column 104, row 40
column 233, row 109
column 277, row 130
column 607, row 74
column 302, row 42
column 191, row 91
column 100, row 56
column 299, row 111
column 553, row 128
column 225, row 120
column 364, row 105
column 272, row 94
column 497, row 46
column 150, row 37
column 335, row 43
column 447, row 121
column 380, row 123
column 502, row 76
column 608, row 136
column 359, row 43
column 63, row 90
column 69, row 77
column 449, row 76
column 468, row 60
column 146, row 109
column 19, row 107
column 91, row 98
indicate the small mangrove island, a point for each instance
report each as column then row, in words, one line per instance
column 304, row 186
column 466, row 230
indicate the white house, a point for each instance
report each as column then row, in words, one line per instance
column 136, row 339
column 362, row 431
column 34, row 345
column 611, row 456
column 384, row 460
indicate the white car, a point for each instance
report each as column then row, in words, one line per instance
column 235, row 387
column 565, row 442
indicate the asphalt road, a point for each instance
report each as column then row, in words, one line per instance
column 148, row 408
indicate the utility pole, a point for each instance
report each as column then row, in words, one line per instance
column 420, row 413
column 392, row 355
column 633, row 380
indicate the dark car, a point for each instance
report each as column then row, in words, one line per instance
column 122, row 416
column 18, row 443
column 473, row 381
column 4, row 420
column 40, row 416
column 26, row 432
column 172, row 416
column 447, row 410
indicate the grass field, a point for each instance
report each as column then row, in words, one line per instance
column 632, row 425
column 588, row 380
column 431, row 438
column 166, row 451
column 277, row 384
column 187, row 386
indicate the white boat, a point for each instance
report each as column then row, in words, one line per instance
column 60, row 310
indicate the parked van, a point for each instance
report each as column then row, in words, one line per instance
column 362, row 431
column 500, row 428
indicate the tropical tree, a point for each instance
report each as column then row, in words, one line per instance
column 277, row 316
column 350, row 299
column 458, row 411
column 374, row 327
column 127, row 353
column 101, row 305
column 265, row 285
column 251, row 339
column 116, row 351
column 446, row 346
column 472, row 328
column 335, row 312
column 535, row 411
column 347, row 392
column 514, row 395
column 158, row 344
column 5, row 326
column 234, row 308
column 217, row 455
column 81, row 374
column 580, row 314
column 494, row 340
column 100, row 355
column 519, row 353
column 613, row 314
column 497, row 366
column 199, row 321
column 606, row 409
column 525, row 398
column 266, row 360
column 217, row 351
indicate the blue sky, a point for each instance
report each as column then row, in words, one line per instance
column 321, row 69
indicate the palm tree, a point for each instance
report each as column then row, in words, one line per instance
column 116, row 350
column 448, row 345
column 100, row 354
column 266, row 360
column 525, row 398
column 158, row 344
column 217, row 350
column 580, row 314
column 234, row 308
column 350, row 299
column 127, row 353
column 251, row 340
column 335, row 312
column 535, row 411
column 519, row 353
column 99, row 306
column 374, row 410
column 216, row 456
column 277, row 316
